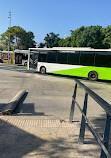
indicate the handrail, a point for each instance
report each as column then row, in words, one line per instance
column 84, row 121
column 106, row 106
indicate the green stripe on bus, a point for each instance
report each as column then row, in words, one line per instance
column 103, row 73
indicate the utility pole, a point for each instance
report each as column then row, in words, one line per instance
column 10, row 19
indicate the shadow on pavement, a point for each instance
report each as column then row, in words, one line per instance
column 27, row 108
column 17, row 142
column 3, row 107
column 99, row 125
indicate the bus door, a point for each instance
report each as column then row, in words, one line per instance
column 18, row 58
column 33, row 61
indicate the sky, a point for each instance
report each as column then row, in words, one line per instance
column 58, row 16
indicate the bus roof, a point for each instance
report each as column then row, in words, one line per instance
column 68, row 49
column 58, row 48
column 21, row 51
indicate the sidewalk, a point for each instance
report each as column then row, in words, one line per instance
column 43, row 137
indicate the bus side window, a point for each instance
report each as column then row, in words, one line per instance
column 52, row 57
column 103, row 59
column 62, row 58
column 42, row 57
column 87, row 58
column 74, row 58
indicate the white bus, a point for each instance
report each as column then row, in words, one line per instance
column 21, row 57
column 82, row 62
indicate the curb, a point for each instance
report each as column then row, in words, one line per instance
column 14, row 102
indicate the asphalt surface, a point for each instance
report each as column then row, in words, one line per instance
column 49, row 97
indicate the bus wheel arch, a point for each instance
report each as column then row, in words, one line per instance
column 93, row 75
column 42, row 69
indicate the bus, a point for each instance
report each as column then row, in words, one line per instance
column 21, row 57
column 90, row 63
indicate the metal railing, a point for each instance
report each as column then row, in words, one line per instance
column 84, row 121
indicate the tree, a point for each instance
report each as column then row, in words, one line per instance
column 51, row 40
column 41, row 45
column 92, row 37
column 106, row 32
column 18, row 38
column 75, row 36
column 87, row 37
column 27, row 41
column 65, row 42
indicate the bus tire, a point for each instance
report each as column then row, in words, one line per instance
column 42, row 70
column 25, row 64
column 93, row 75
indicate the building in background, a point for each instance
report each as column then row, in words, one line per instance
column 7, row 55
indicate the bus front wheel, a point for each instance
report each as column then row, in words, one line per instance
column 25, row 64
column 42, row 70
column 93, row 75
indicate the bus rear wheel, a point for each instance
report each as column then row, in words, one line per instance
column 42, row 70
column 93, row 75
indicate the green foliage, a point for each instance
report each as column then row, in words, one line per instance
column 65, row 42
column 107, row 37
column 87, row 37
column 41, row 45
column 27, row 41
column 76, row 36
column 91, row 36
column 51, row 40
column 18, row 38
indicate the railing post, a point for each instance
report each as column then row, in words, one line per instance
column 73, row 104
column 106, row 136
column 83, row 121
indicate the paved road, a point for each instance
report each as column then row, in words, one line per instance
column 12, row 67
column 39, row 127
column 48, row 92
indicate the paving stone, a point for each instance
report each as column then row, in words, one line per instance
column 44, row 140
